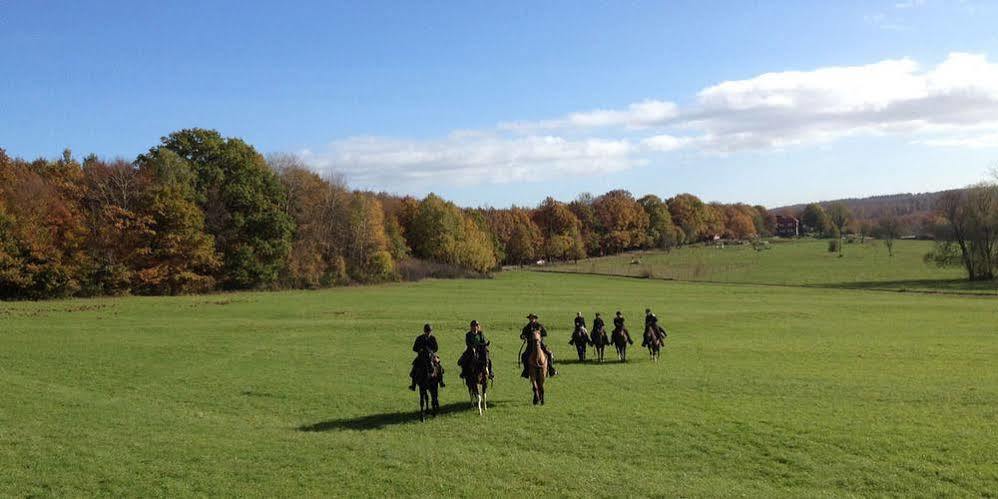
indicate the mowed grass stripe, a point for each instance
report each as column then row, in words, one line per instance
column 761, row 390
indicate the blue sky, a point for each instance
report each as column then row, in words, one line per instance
column 507, row 102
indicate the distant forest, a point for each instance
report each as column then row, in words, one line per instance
column 876, row 207
column 200, row 212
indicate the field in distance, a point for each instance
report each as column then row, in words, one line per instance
column 805, row 262
column 762, row 391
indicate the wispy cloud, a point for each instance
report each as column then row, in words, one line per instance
column 953, row 104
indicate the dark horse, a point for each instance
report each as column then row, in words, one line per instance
column 654, row 338
column 621, row 338
column 599, row 340
column 580, row 338
column 428, row 372
column 476, row 376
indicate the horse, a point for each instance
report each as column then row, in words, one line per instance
column 580, row 338
column 537, row 368
column 599, row 340
column 654, row 338
column 476, row 376
column 428, row 375
column 620, row 340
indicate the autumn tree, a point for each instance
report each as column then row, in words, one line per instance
column 118, row 227
column 689, row 214
column 738, row 221
column 560, row 229
column 622, row 222
column 181, row 255
column 441, row 232
column 583, row 209
column 44, row 234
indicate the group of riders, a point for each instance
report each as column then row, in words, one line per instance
column 476, row 351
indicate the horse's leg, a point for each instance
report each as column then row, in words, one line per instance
column 422, row 403
column 435, row 393
column 485, row 395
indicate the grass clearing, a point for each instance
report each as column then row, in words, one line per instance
column 791, row 263
column 762, row 391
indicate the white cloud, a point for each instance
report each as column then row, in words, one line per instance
column 974, row 141
column 639, row 115
column 953, row 104
column 665, row 143
column 798, row 107
column 464, row 159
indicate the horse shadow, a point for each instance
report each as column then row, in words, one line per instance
column 588, row 361
column 386, row 419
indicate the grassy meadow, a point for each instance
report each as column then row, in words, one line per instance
column 805, row 262
column 762, row 391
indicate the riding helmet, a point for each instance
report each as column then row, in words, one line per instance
column 427, row 328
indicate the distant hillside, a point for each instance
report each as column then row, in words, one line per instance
column 874, row 207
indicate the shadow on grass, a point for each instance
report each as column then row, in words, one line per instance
column 607, row 361
column 386, row 419
column 945, row 286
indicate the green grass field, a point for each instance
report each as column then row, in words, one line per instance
column 794, row 263
column 762, row 391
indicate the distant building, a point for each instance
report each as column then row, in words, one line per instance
column 787, row 226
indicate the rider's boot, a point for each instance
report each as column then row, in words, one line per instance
column 442, row 384
column 492, row 374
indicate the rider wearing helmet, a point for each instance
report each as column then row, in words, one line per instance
column 651, row 321
column 619, row 329
column 424, row 342
column 473, row 340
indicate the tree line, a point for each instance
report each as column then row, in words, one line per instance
column 201, row 212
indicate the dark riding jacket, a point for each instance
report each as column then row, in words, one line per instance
column 580, row 322
column 618, row 323
column 473, row 339
column 528, row 331
column 598, row 324
column 425, row 341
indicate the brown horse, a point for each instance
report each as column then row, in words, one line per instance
column 428, row 376
column 654, row 338
column 477, row 378
column 537, row 368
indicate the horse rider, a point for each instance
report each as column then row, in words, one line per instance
column 598, row 326
column 526, row 334
column 618, row 327
column 580, row 325
column 652, row 321
column 425, row 343
column 474, row 340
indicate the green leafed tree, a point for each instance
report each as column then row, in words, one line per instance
column 242, row 200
